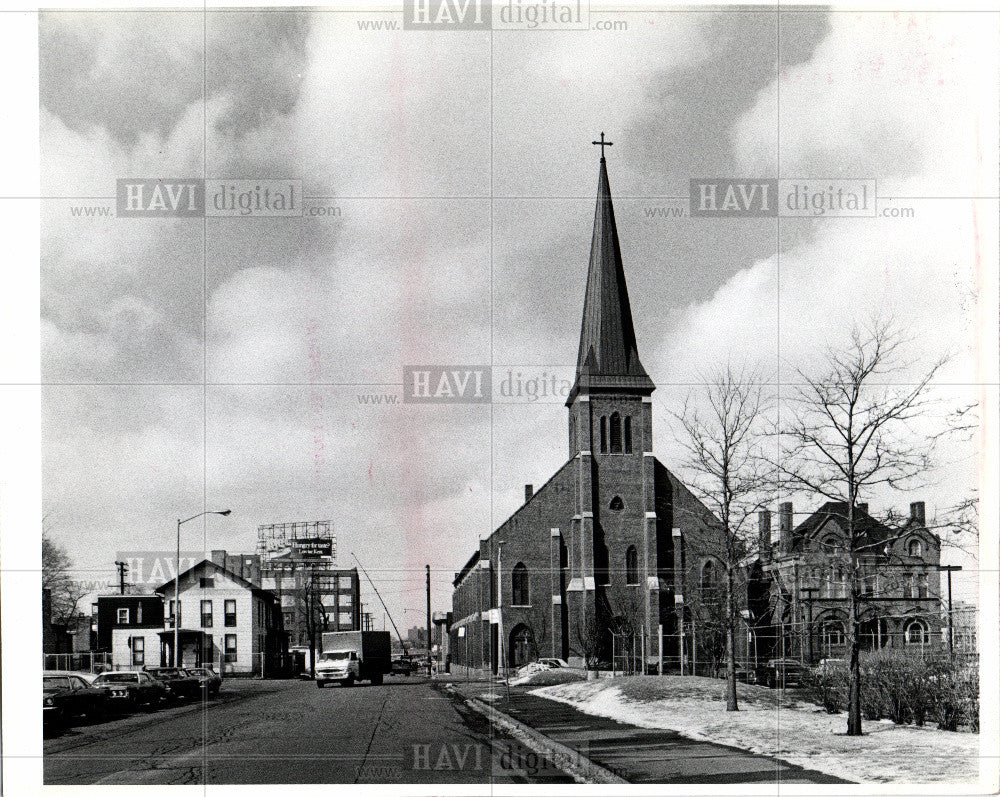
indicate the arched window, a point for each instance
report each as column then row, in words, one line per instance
column 616, row 505
column 631, row 565
column 709, row 582
column 831, row 545
column 917, row 633
column 604, row 434
column 616, row 433
column 519, row 585
column 833, row 635
column 628, row 434
column 914, row 548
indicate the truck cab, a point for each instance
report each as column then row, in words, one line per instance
column 338, row 666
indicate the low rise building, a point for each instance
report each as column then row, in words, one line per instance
column 224, row 621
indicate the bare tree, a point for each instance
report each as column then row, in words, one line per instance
column 722, row 425
column 592, row 636
column 313, row 612
column 57, row 578
column 848, row 429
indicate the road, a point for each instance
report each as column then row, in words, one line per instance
column 405, row 731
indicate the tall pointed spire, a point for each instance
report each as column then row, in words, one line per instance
column 608, row 356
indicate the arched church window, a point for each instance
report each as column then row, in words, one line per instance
column 616, row 505
column 628, row 434
column 914, row 548
column 616, row 433
column 519, row 585
column 604, row 434
column 631, row 565
column 709, row 582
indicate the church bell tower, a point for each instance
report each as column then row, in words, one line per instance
column 613, row 545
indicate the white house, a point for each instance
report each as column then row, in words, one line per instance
column 225, row 622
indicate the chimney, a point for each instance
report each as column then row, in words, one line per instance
column 785, row 527
column 917, row 513
column 529, row 491
column 219, row 558
column 863, row 507
column 764, row 534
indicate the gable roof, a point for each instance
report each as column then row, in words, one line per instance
column 208, row 563
column 869, row 530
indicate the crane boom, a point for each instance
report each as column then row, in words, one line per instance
column 401, row 642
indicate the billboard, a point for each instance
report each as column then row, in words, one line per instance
column 309, row 539
column 312, row 548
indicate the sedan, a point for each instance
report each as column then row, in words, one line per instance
column 779, row 673
column 403, row 665
column 721, row 671
column 129, row 690
column 179, row 684
column 208, row 679
column 65, row 696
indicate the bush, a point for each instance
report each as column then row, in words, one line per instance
column 898, row 686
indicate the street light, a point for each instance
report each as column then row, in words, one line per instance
column 177, row 578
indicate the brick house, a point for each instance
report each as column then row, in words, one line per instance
column 608, row 544
column 799, row 591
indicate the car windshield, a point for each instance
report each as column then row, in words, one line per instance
column 337, row 655
column 118, row 678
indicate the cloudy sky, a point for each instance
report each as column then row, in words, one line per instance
column 195, row 363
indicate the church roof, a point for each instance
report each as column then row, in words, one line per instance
column 608, row 356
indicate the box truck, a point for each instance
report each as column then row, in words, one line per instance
column 350, row 656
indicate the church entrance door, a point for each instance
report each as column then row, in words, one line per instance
column 522, row 648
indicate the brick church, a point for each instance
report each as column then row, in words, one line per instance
column 603, row 549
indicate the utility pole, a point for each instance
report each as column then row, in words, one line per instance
column 428, row 619
column 951, row 616
column 123, row 569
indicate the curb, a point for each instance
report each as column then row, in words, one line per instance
column 571, row 761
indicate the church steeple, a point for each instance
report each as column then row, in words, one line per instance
column 608, row 357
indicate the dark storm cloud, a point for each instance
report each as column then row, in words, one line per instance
column 685, row 128
column 135, row 74
column 257, row 60
column 130, row 73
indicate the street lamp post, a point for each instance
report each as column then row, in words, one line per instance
column 177, row 579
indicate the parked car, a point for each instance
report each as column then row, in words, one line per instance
column 403, row 665
column 779, row 673
column 66, row 695
column 829, row 666
column 208, row 679
column 179, row 683
column 127, row 691
column 741, row 672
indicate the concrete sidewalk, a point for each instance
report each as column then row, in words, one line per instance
column 639, row 755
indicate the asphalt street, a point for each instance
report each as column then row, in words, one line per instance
column 406, row 731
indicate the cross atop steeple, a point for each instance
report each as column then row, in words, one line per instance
column 608, row 358
column 602, row 143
